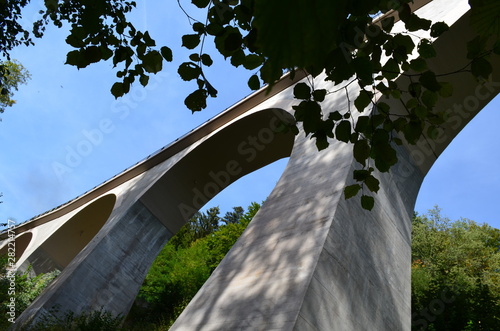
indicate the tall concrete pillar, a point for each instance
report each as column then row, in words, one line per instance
column 311, row 260
column 108, row 272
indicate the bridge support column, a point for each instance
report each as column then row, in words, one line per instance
column 311, row 260
column 109, row 271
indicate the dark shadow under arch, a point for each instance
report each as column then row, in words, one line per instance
column 57, row 251
column 21, row 243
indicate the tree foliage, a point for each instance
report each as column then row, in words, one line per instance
column 25, row 291
column 455, row 274
column 12, row 74
column 186, row 262
column 343, row 42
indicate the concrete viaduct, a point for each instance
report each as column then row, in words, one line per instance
column 310, row 260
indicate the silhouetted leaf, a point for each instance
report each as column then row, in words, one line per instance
column 351, row 190
column 481, row 68
column 438, row 29
column 343, row 131
column 152, row 61
column 166, row 53
column 189, row 71
column 363, row 100
column 197, row 100
column 367, row 202
column 302, row 91
column 361, row 151
column 190, row 41
column 254, row 82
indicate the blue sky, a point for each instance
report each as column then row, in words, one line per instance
column 68, row 117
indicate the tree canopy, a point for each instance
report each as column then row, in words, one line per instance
column 12, row 74
column 344, row 42
column 455, row 274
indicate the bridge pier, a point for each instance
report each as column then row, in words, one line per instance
column 310, row 260
column 108, row 273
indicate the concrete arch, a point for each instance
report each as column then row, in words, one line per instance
column 142, row 223
column 310, row 260
column 21, row 243
column 57, row 251
column 246, row 145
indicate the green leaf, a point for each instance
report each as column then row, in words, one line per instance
column 360, row 175
column 233, row 41
column 421, row 111
column 195, row 57
column 429, row 98
column 74, row 58
column 343, row 131
column 199, row 27
column 309, row 112
column 252, row 61
column 148, row 40
column 117, row 90
column 335, row 116
column 496, row 47
column 197, row 100
column 426, row 49
column 388, row 23
column 363, row 100
column 254, row 82
column 361, row 151
column 418, row 64
column 446, row 89
column 363, row 123
column 152, row 61
column 428, row 80
column 321, row 142
column 190, row 41
column 415, row 89
column 390, row 70
column 302, row 91
column 201, row 3
column 367, row 202
column 364, row 69
column 412, row 131
column 319, row 95
column 144, row 80
column 404, row 41
column 92, row 54
column 438, row 28
column 166, row 53
column 481, row 68
column 475, row 47
column 415, row 23
column 189, row 71
column 206, row 60
column 372, row 183
column 351, row 190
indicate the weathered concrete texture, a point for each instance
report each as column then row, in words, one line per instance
column 109, row 271
column 311, row 260
column 147, row 211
